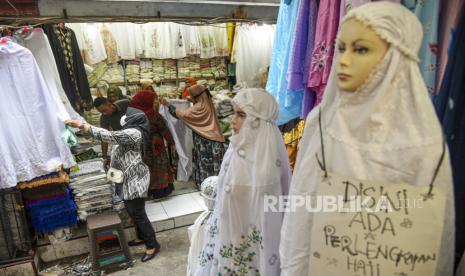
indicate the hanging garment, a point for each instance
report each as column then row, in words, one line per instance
column 230, row 27
column 90, row 41
column 253, row 47
column 129, row 39
column 36, row 41
column 70, row 65
column 373, row 135
column 192, row 39
column 427, row 12
column 450, row 107
column 242, row 238
column 449, row 16
column 323, row 51
column 109, row 42
column 183, row 139
column 220, row 34
column 290, row 104
column 207, row 42
column 30, row 130
column 178, row 41
column 300, row 59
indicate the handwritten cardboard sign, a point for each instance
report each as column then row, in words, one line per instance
column 403, row 239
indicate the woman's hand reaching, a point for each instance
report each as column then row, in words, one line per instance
column 78, row 124
column 165, row 102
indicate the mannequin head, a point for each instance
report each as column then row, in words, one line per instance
column 238, row 119
column 360, row 49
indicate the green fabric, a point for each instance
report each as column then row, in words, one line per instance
column 69, row 137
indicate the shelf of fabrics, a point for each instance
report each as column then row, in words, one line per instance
column 91, row 189
column 49, row 202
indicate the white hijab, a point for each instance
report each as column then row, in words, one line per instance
column 255, row 165
column 385, row 131
column 259, row 141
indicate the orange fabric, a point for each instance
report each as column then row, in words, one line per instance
column 192, row 82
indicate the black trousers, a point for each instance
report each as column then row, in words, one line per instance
column 144, row 229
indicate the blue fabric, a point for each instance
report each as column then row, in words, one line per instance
column 290, row 104
column 427, row 12
column 450, row 107
column 49, row 215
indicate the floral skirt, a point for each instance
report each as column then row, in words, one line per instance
column 207, row 156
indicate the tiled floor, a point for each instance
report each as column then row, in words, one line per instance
column 180, row 209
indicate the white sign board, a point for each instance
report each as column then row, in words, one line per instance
column 399, row 235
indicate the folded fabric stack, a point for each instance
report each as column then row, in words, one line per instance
column 158, row 70
column 133, row 71
column 92, row 117
column 91, row 189
column 170, row 69
column 218, row 66
column 49, row 202
column 95, row 76
column 225, row 111
column 194, row 67
column 146, row 69
column 205, row 68
column 114, row 74
column 183, row 68
column 167, row 91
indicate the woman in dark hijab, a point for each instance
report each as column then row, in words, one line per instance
column 126, row 157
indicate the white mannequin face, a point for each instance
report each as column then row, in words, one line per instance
column 360, row 49
column 238, row 119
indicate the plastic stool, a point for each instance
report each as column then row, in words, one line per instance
column 108, row 246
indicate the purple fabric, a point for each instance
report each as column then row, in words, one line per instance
column 302, row 45
column 308, row 102
column 323, row 50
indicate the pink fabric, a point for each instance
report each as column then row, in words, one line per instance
column 323, row 50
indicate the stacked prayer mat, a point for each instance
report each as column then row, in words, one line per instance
column 49, row 202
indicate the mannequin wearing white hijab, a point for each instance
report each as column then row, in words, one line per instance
column 255, row 165
column 386, row 130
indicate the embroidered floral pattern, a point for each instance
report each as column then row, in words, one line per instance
column 243, row 254
column 319, row 57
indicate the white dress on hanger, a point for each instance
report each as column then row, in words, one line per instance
column 252, row 50
column 38, row 44
column 30, row 131
column 124, row 36
column 192, row 39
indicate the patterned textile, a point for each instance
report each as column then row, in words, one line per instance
column 70, row 65
column 207, row 158
column 323, row 51
column 58, row 177
column 110, row 44
column 156, row 157
column 127, row 157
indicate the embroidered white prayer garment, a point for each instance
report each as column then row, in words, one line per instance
column 254, row 167
column 30, row 129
